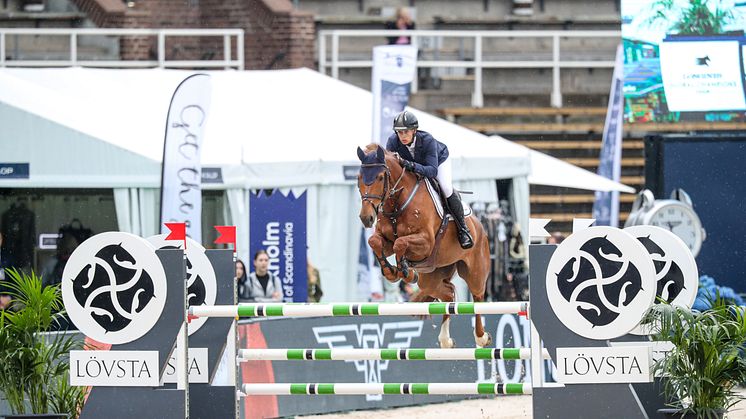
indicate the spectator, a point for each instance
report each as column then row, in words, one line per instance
column 403, row 22
column 314, row 284
column 263, row 285
column 242, row 282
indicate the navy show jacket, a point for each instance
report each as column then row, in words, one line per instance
column 429, row 153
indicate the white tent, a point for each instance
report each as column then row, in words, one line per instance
column 83, row 128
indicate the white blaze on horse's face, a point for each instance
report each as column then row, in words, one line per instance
column 406, row 136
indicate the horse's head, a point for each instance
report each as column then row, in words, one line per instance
column 372, row 182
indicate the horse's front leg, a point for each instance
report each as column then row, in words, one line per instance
column 415, row 244
column 379, row 244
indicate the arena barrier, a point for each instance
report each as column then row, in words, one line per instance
column 411, row 354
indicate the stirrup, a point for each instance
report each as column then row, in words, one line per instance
column 465, row 239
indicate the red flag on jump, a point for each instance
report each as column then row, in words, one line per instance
column 178, row 232
column 227, row 235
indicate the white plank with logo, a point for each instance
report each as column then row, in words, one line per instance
column 629, row 364
column 114, row 368
column 197, row 367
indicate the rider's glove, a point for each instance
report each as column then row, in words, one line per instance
column 407, row 165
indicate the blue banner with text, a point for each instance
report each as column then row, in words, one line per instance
column 277, row 224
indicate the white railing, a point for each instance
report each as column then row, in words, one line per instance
column 477, row 61
column 231, row 38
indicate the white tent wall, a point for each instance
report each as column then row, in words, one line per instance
column 137, row 211
column 65, row 158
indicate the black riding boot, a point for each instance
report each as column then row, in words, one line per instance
column 464, row 238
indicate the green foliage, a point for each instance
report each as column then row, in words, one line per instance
column 696, row 19
column 706, row 361
column 33, row 362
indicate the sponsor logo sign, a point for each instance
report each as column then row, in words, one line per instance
column 397, row 335
column 201, row 282
column 278, row 225
column 197, row 367
column 702, row 75
column 676, row 273
column 600, row 282
column 114, row 368
column 629, row 364
column 114, row 287
column 15, row 170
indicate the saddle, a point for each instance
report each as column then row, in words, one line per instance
column 436, row 193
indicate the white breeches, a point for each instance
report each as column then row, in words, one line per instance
column 445, row 178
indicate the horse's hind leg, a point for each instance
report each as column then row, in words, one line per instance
column 447, row 294
column 475, row 275
column 481, row 337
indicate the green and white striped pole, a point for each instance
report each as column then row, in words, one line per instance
column 412, row 354
column 385, row 388
column 356, row 309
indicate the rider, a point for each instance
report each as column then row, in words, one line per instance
column 420, row 153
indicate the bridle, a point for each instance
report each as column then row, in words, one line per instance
column 388, row 193
column 368, row 197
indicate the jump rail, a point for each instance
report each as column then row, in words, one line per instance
column 384, row 388
column 412, row 354
column 356, row 309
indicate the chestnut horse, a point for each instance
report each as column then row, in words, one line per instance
column 408, row 226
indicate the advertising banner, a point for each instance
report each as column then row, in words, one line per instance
column 277, row 224
column 393, row 72
column 702, row 75
column 606, row 205
column 181, row 178
column 682, row 61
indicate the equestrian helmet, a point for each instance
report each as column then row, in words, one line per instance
column 405, row 120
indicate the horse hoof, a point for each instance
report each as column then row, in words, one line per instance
column 447, row 343
column 484, row 341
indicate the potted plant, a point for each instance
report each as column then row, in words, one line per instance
column 706, row 361
column 34, row 365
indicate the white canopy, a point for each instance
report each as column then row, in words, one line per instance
column 266, row 128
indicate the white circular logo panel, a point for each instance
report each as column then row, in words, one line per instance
column 600, row 282
column 114, row 287
column 676, row 272
column 201, row 283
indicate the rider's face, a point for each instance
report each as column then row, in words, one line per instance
column 406, row 136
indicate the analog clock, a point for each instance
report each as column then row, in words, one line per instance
column 676, row 215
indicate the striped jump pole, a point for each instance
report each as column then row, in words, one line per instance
column 356, row 309
column 385, row 388
column 411, row 354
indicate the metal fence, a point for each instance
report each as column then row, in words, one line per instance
column 232, row 40
column 470, row 54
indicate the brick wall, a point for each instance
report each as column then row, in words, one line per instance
column 276, row 35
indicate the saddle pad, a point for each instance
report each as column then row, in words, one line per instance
column 439, row 205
